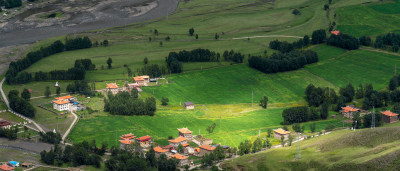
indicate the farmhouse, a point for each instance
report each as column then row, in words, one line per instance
column 144, row 141
column 113, row 87
column 347, row 111
column 142, row 80
column 200, row 140
column 389, row 117
column 184, row 132
column 206, row 149
column 183, row 160
column 278, row 133
column 336, row 32
column 160, row 151
column 63, row 103
column 189, row 105
column 4, row 123
column 124, row 143
column 175, row 142
column 6, row 167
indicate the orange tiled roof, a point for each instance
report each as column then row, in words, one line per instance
column 177, row 140
column 184, row 131
column 389, row 113
column 179, row 157
column 128, row 136
column 138, row 78
column 60, row 102
column 207, row 147
column 64, row 97
column 336, row 32
column 197, row 149
column 349, row 109
column 6, row 167
column 185, row 145
column 144, row 138
column 112, row 85
column 127, row 142
column 160, row 150
column 281, row 131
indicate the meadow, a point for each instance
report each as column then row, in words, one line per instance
column 339, row 150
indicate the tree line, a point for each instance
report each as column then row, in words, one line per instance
column 76, row 155
column 344, row 41
column 50, row 137
column 81, row 87
column 196, row 55
column 10, row 3
column 389, row 39
column 20, row 105
column 283, row 61
column 153, row 70
column 303, row 114
column 11, row 133
column 124, row 103
column 13, row 76
column 232, row 56
column 285, row 47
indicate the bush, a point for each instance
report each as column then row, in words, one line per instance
column 343, row 41
column 296, row 12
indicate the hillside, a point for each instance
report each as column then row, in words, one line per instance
column 376, row 149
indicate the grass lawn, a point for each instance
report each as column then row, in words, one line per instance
column 10, row 117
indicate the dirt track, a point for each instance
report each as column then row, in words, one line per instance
column 30, row 34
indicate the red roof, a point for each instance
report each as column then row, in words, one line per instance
column 112, row 85
column 179, row 157
column 128, row 136
column 4, row 122
column 64, row 97
column 60, row 102
column 207, row 147
column 336, row 32
column 160, row 150
column 127, row 142
column 184, row 131
column 389, row 113
column 177, row 140
column 6, row 167
column 144, row 138
column 185, row 145
column 349, row 109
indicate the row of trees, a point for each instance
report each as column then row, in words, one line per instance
column 10, row 3
column 77, row 43
column 20, row 105
column 124, row 103
column 50, row 137
column 174, row 66
column 304, row 114
column 283, row 61
column 285, row 47
column 81, row 87
column 389, row 39
column 11, row 134
column 153, row 70
column 236, row 57
column 13, row 76
column 196, row 55
column 344, row 41
column 316, row 96
column 78, row 154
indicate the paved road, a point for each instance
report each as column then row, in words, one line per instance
column 24, row 36
column 8, row 105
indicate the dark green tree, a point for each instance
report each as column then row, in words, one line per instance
column 26, row 94
column 264, row 102
column 58, row 91
column 164, row 101
column 145, row 60
column 47, row 92
column 191, row 31
column 109, row 62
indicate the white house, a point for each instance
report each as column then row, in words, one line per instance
column 63, row 103
column 189, row 105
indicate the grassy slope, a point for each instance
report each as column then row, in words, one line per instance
column 340, row 150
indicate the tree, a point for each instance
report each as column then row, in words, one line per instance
column 197, row 36
column 396, row 108
column 312, row 127
column 105, row 43
column 161, row 43
column 270, row 132
column 326, row 7
column 324, row 111
column 109, row 62
column 290, row 139
column 330, row 1
column 356, row 120
column 164, row 101
column 359, row 92
column 135, row 93
column 306, row 40
column 283, row 141
column 318, row 36
column 47, row 92
column 58, row 91
column 145, row 60
column 216, row 36
column 393, row 83
column 296, row 127
column 26, row 94
column 264, row 102
column 156, row 32
column 395, row 48
column 296, row 12
column 167, row 38
column 191, row 31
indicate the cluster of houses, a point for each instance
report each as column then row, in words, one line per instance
column 139, row 81
column 171, row 150
column 12, row 165
column 387, row 116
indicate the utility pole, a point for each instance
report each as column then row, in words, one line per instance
column 373, row 118
column 355, row 126
column 252, row 95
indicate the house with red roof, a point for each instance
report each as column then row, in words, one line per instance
column 6, row 167
column 142, row 80
column 183, row 160
column 180, row 140
column 348, row 111
column 126, row 140
column 4, row 123
column 63, row 103
column 185, row 132
column 113, row 88
column 206, row 149
column 144, row 141
column 278, row 133
column 159, row 150
column 389, row 117
column 335, row 32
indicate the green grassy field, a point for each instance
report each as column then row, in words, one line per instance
column 340, row 150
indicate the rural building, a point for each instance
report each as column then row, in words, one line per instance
column 144, row 141
column 189, row 150
column 6, row 167
column 27, row 165
column 183, row 160
column 159, row 150
column 389, row 117
column 336, row 32
column 63, row 103
column 124, row 143
column 189, row 105
column 200, row 140
column 184, row 132
column 278, row 133
column 205, row 149
column 13, row 163
column 175, row 142
column 131, row 86
column 4, row 123
column 113, row 87
column 347, row 111
column 142, row 80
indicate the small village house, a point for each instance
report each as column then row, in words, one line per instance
column 389, row 117
column 144, row 141
column 4, row 123
column 13, row 163
column 63, row 103
column 278, row 133
column 180, row 140
column 183, row 160
column 336, row 32
column 159, row 150
column 126, row 140
column 142, row 80
column 348, row 111
column 6, row 167
column 113, row 88
column 206, row 149
column 185, row 132
column 189, row 105
column 200, row 140
column 27, row 165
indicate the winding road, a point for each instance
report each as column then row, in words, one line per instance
column 29, row 35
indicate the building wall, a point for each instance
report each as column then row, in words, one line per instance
column 187, row 136
column 190, row 107
column 203, row 152
column 278, row 136
column 388, row 119
column 61, row 107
